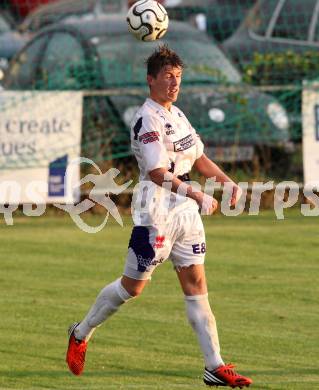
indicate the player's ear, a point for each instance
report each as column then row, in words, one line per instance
column 150, row 80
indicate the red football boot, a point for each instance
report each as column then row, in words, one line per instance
column 225, row 376
column 75, row 356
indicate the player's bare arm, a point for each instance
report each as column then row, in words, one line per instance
column 208, row 169
column 206, row 202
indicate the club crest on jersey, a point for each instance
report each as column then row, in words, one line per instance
column 159, row 242
column 184, row 143
column 149, row 137
column 169, row 129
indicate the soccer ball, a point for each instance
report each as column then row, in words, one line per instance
column 147, row 20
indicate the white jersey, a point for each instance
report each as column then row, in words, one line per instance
column 162, row 139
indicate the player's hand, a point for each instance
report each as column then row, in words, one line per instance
column 236, row 195
column 208, row 204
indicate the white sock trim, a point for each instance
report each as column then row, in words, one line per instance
column 124, row 295
column 196, row 297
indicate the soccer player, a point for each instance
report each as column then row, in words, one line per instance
column 166, row 147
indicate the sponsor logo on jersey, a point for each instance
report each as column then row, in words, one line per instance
column 169, row 129
column 184, row 143
column 149, row 137
column 159, row 242
column 146, row 262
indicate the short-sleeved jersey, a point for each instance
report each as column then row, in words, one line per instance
column 161, row 139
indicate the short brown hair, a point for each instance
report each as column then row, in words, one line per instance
column 161, row 57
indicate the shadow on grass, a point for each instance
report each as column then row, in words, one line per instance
column 115, row 371
column 121, row 373
column 303, row 371
column 30, row 355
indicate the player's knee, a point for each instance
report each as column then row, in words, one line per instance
column 195, row 289
column 135, row 292
column 132, row 286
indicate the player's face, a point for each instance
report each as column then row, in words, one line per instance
column 165, row 86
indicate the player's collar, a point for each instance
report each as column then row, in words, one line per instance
column 159, row 106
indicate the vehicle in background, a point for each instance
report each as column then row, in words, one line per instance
column 61, row 9
column 22, row 7
column 101, row 58
column 10, row 42
column 277, row 45
column 276, row 26
column 220, row 18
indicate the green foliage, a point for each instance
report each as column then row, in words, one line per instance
column 281, row 68
column 286, row 70
column 213, row 73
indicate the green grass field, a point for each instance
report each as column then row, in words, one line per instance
column 263, row 283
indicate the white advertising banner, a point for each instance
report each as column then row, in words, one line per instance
column 310, row 130
column 40, row 136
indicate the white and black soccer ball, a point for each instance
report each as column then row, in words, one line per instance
column 147, row 20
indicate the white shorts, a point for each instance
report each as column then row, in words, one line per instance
column 182, row 240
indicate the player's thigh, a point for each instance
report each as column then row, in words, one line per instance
column 149, row 246
column 188, row 254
